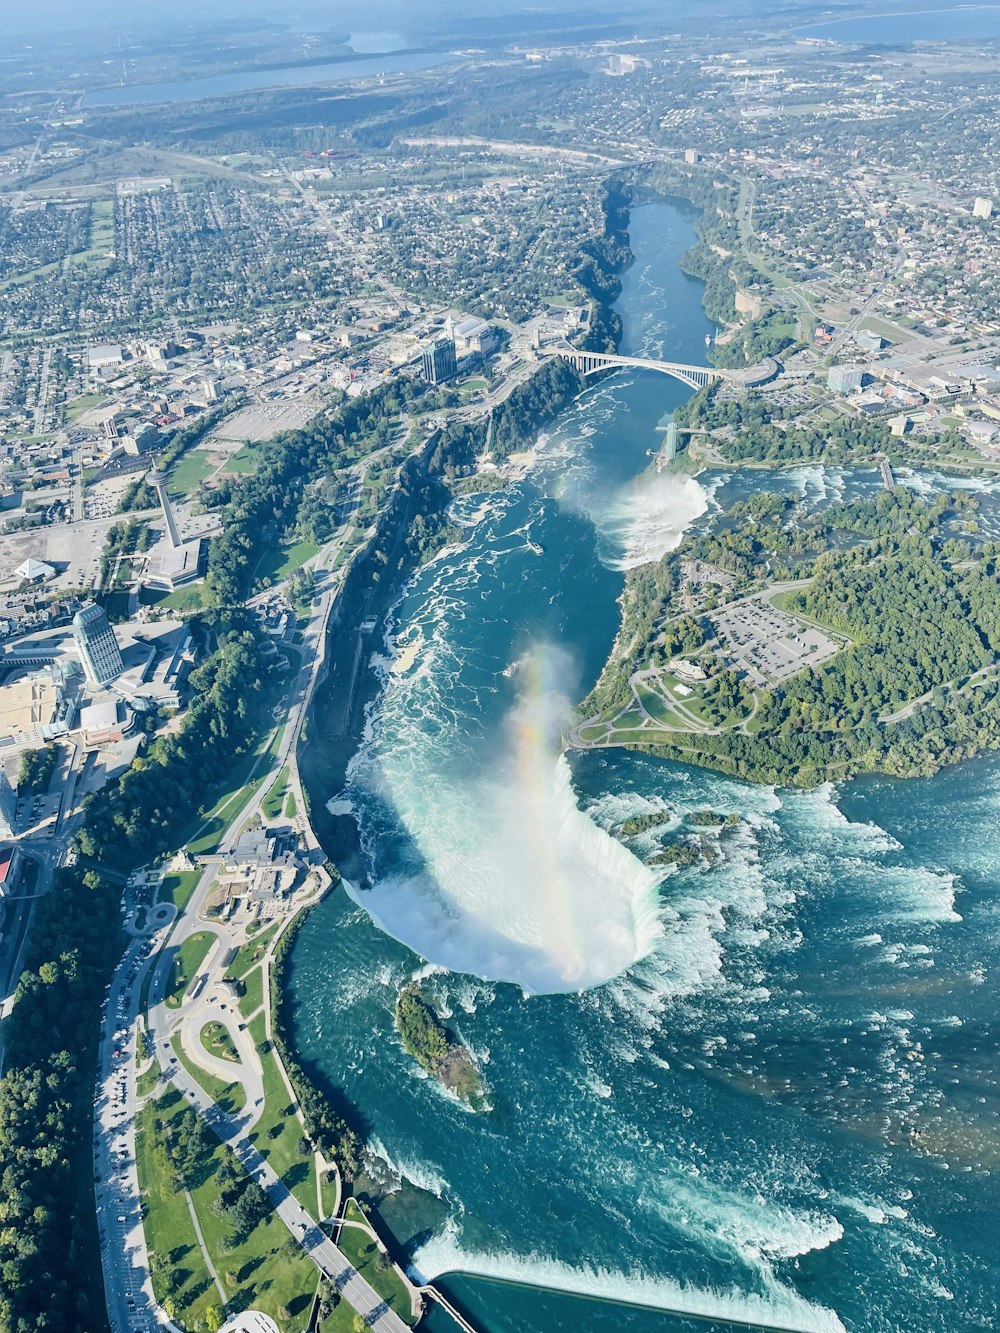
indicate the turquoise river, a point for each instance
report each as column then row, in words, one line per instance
column 763, row 1090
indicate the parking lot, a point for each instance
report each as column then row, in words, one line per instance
column 768, row 645
column 116, row 1186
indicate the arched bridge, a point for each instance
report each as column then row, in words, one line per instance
column 696, row 377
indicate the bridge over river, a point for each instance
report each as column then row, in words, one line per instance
column 696, row 377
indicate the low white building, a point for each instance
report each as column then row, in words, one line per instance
column 34, row 571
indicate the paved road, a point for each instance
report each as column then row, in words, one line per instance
column 235, row 1129
column 130, row 1301
column 128, row 1291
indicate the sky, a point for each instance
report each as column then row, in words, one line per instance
column 38, row 16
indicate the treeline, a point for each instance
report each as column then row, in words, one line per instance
column 262, row 508
column 329, row 1130
column 49, row 1259
column 143, row 814
column 599, row 263
column 37, row 767
column 532, row 406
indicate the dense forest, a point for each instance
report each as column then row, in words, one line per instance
column 49, row 1267
column 142, row 814
column 532, row 406
column 263, row 508
column 759, row 435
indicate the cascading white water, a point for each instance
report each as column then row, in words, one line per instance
column 517, row 882
column 649, row 517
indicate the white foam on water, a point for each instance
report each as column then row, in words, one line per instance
column 776, row 1305
column 749, row 1224
column 819, row 810
column 518, row 883
column 649, row 518
column 875, row 1211
column 421, row 1174
column 919, row 894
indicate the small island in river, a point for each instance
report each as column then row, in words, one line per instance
column 426, row 1038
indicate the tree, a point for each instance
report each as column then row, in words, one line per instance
column 214, row 1317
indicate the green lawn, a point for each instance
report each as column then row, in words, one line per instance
column 178, row 888
column 275, row 798
column 187, row 960
column 251, row 953
column 656, row 705
column 256, row 1028
column 263, row 1271
column 254, row 998
column 230, row 1096
column 361, row 1250
column 280, row 561
column 189, row 472
column 169, row 1230
column 241, row 463
column 596, row 732
column 328, row 1190
column 276, row 1137
column 216, row 1040
column 291, row 806
column 80, row 405
column 147, row 1082
column 184, row 599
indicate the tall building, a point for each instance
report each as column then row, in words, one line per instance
column 8, row 805
column 440, row 361
column 982, row 208
column 845, row 379
column 102, row 658
column 158, row 481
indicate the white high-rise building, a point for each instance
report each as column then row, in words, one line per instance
column 99, row 651
column 8, row 805
column 982, row 208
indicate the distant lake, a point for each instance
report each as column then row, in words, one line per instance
column 933, row 25
column 245, row 80
column 376, row 43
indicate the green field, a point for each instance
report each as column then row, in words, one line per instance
column 251, row 953
column 265, row 1271
column 278, row 1134
column 254, row 998
column 275, row 798
column 178, row 888
column 169, row 1229
column 280, row 561
column 241, row 463
column 183, row 600
column 189, row 472
column 187, row 960
column 80, row 405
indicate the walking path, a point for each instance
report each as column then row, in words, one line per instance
column 204, row 1248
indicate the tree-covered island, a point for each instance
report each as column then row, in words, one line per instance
column 789, row 646
column 426, row 1038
